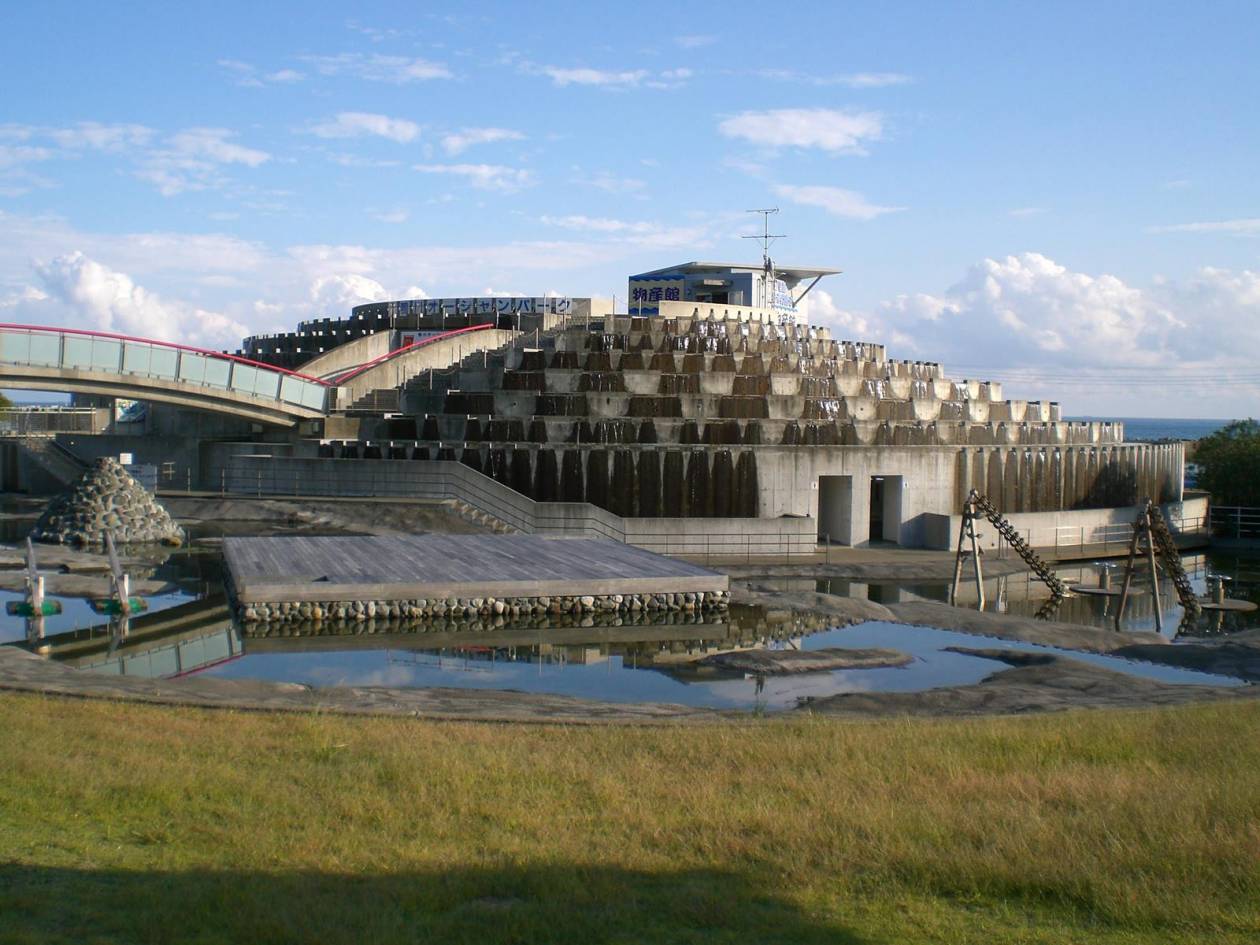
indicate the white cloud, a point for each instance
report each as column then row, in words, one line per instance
column 249, row 76
column 357, row 124
column 571, row 76
column 1030, row 309
column 102, row 137
column 397, row 70
column 641, row 233
column 212, row 144
column 610, row 78
column 611, row 183
column 357, row 160
column 13, row 155
column 1245, row 226
column 340, row 293
column 110, row 300
column 392, row 216
column 854, row 80
column 837, row 202
column 832, row 130
column 187, row 160
column 457, row 142
column 191, row 160
column 485, row 176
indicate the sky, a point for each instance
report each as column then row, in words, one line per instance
column 1061, row 196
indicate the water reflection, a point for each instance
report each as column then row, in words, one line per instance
column 653, row 660
column 1023, row 595
column 638, row 664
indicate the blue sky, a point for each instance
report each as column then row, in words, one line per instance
column 1060, row 196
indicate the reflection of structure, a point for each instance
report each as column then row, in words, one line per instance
column 173, row 642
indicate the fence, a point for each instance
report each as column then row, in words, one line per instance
column 1114, row 538
column 437, row 480
column 1235, row 521
column 46, row 421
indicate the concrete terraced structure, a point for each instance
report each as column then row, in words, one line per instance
column 723, row 412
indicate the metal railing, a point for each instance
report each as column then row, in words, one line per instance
column 1114, row 537
column 1235, row 521
column 443, row 480
column 74, row 349
column 46, row 421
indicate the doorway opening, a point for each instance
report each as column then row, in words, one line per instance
column 835, row 510
column 885, row 517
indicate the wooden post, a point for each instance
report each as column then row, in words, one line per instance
column 958, row 559
column 975, row 553
column 1128, row 573
column 1150, row 557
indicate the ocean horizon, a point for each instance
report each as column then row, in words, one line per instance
column 1144, row 429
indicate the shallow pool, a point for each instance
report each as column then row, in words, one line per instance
column 655, row 673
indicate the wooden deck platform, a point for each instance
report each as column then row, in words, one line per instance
column 297, row 568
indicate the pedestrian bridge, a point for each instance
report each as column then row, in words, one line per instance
column 94, row 362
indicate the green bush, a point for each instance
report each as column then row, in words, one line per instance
column 1229, row 462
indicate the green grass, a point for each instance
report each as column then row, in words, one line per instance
column 122, row 823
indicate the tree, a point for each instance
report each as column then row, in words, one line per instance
column 1229, row 463
column 5, row 403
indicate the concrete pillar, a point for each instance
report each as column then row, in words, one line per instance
column 1010, row 482
column 994, row 484
column 1026, row 482
column 962, row 479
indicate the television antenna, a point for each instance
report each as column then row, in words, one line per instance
column 767, row 238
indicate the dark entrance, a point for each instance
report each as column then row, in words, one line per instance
column 877, row 508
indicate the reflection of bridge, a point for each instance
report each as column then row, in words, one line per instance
column 67, row 359
column 172, row 642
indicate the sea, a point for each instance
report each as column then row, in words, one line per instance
column 1152, row 429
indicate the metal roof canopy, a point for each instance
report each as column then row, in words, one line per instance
column 787, row 273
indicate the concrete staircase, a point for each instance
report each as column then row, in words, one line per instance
column 470, row 513
column 53, row 458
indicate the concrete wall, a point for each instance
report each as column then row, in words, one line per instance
column 936, row 480
column 1069, row 530
column 261, row 470
column 349, row 355
column 439, row 354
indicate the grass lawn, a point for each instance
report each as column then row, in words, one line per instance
column 122, row 823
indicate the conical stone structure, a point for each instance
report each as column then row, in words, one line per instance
column 106, row 499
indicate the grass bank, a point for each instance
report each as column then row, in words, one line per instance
column 130, row 823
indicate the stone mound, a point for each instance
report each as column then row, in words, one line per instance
column 106, row 499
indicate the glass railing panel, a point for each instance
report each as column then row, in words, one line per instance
column 217, row 372
column 314, row 396
column 136, row 358
column 45, row 349
column 163, row 362
column 106, row 354
column 15, row 347
column 192, row 368
column 78, row 352
column 244, row 378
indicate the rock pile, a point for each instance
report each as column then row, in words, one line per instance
column 106, row 499
column 459, row 607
